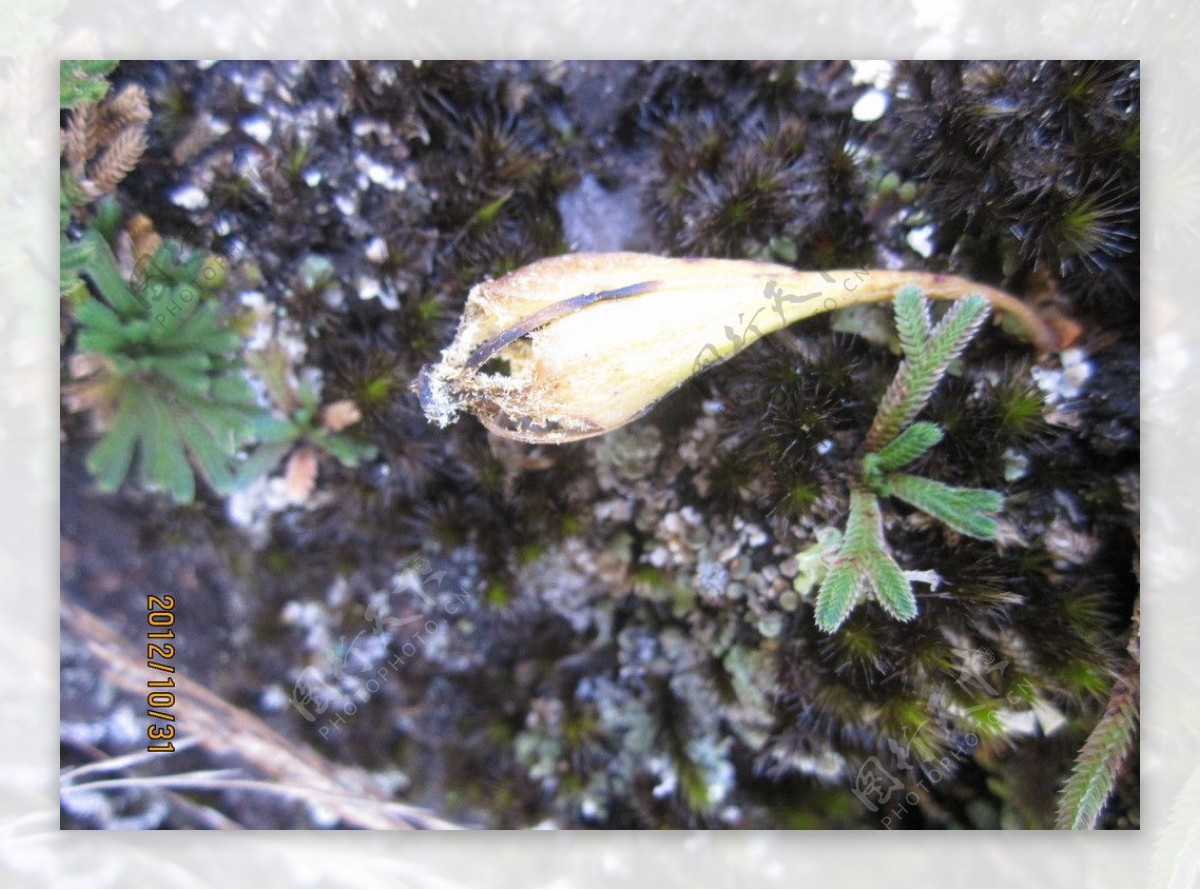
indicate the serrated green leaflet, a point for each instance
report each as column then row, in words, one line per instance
column 909, row 445
column 836, row 597
column 864, row 561
column 913, row 324
column 970, row 511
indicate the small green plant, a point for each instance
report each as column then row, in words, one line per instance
column 303, row 429
column 305, row 426
column 158, row 364
column 154, row 365
column 84, row 81
column 862, row 564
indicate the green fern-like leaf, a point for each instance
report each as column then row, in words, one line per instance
column 970, row 511
column 946, row 342
column 264, row 459
column 1101, row 759
column 957, row 328
column 348, row 451
column 837, row 597
column 81, row 82
column 913, row 322
column 166, row 466
column 920, row 372
column 270, row 429
column 862, row 561
column 864, row 546
column 862, row 526
column 839, row 591
column 210, row 450
column 74, row 256
column 892, row 589
column 909, row 445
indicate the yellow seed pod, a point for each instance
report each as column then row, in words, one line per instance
column 577, row 345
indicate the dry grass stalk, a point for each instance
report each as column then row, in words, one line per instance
column 291, row 768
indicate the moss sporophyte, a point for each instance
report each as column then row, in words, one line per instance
column 578, row 345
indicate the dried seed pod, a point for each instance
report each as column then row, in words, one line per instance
column 578, row 345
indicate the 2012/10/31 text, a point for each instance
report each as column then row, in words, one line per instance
column 160, row 618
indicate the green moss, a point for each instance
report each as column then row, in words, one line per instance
column 1084, row 678
column 498, row 595
column 860, row 643
column 296, row 160
column 907, row 721
column 693, row 786
column 530, row 551
column 580, row 729
column 490, row 211
column 1022, row 408
column 499, row 732
column 376, row 391
column 800, row 499
column 277, row 561
column 620, row 671
column 429, row 308
column 1085, row 612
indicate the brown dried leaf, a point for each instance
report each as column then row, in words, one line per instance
column 301, row 474
column 118, row 159
column 145, row 240
column 79, row 139
column 336, row 416
column 85, row 364
column 95, row 389
column 129, row 109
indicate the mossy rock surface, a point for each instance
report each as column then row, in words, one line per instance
column 617, row 633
